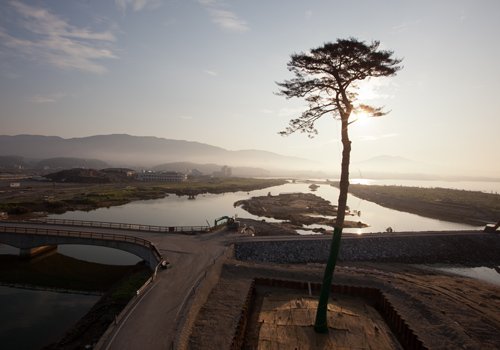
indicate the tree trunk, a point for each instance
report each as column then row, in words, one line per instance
column 321, row 324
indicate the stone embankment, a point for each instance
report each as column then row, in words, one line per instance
column 474, row 248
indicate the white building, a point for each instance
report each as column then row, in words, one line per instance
column 225, row 171
column 161, row 176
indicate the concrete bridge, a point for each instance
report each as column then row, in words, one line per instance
column 33, row 240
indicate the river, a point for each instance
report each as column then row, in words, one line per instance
column 32, row 319
column 181, row 211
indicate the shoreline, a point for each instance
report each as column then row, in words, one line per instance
column 41, row 199
column 35, row 198
column 461, row 206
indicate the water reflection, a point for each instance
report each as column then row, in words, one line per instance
column 33, row 319
column 180, row 211
column 101, row 255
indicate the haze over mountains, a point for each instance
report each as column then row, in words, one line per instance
column 145, row 152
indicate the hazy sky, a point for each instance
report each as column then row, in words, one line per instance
column 205, row 70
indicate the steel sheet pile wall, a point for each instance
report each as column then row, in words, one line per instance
column 408, row 339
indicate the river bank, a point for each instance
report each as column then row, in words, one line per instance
column 38, row 198
column 468, row 207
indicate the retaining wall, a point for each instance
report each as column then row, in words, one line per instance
column 474, row 249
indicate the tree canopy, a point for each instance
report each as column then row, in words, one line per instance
column 327, row 78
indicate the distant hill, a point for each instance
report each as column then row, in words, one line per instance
column 12, row 162
column 143, row 151
column 68, row 163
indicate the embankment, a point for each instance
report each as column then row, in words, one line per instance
column 472, row 248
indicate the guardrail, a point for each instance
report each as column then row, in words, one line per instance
column 120, row 226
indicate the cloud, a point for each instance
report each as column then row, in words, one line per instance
column 137, row 5
column 224, row 18
column 405, row 26
column 52, row 40
column 186, row 117
column 210, row 72
column 308, row 14
column 45, row 99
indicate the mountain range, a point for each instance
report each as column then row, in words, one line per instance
column 147, row 152
column 122, row 150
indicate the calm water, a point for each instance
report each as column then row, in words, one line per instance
column 181, row 211
column 32, row 319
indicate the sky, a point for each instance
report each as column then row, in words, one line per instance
column 206, row 71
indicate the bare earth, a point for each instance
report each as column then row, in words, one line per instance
column 298, row 209
column 444, row 311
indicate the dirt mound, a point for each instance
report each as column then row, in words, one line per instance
column 297, row 208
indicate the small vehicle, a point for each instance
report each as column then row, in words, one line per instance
column 231, row 223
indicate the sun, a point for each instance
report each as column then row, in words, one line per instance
column 361, row 118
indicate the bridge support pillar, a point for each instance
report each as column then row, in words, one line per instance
column 28, row 253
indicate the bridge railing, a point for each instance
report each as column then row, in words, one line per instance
column 82, row 234
column 121, row 226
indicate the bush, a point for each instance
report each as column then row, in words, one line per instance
column 128, row 289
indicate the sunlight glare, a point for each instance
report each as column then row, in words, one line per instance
column 361, row 118
column 361, row 181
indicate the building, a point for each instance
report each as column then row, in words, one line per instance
column 161, row 176
column 225, row 171
column 195, row 173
